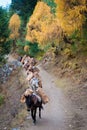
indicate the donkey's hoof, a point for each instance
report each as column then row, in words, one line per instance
column 40, row 117
column 28, row 109
column 42, row 107
column 34, row 122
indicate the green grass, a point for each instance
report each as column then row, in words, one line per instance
column 1, row 99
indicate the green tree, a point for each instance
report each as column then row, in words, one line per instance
column 23, row 8
column 4, row 34
column 26, row 47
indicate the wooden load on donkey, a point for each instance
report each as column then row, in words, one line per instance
column 43, row 96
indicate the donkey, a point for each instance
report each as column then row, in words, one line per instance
column 33, row 102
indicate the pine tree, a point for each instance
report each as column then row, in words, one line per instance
column 4, row 34
column 24, row 8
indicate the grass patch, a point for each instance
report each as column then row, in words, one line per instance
column 1, row 99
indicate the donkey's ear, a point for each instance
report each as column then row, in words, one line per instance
column 23, row 99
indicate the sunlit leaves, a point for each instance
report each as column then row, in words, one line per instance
column 71, row 14
column 43, row 27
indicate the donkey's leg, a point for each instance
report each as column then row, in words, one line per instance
column 32, row 114
column 40, row 112
column 35, row 110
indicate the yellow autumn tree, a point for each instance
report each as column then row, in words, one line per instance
column 26, row 48
column 70, row 14
column 14, row 26
column 42, row 26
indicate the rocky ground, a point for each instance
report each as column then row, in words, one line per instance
column 12, row 84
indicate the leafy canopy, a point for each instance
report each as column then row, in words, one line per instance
column 70, row 14
column 42, row 26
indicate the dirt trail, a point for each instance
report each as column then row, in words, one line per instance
column 56, row 113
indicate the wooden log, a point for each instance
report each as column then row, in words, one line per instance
column 26, row 93
column 43, row 96
column 30, row 76
column 22, row 61
column 40, row 84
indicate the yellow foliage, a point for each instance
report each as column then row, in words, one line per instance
column 14, row 25
column 67, row 51
column 69, row 64
column 69, row 14
column 13, row 36
column 42, row 26
column 26, row 48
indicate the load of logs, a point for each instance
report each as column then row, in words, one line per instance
column 34, row 79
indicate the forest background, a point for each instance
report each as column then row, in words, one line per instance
column 33, row 28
